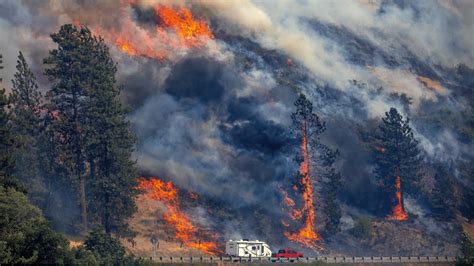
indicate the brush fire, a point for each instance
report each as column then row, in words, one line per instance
column 176, row 29
column 186, row 231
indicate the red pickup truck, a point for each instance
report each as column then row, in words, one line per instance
column 288, row 253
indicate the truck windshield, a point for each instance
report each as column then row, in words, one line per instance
column 281, row 251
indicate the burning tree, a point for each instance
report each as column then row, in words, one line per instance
column 397, row 161
column 313, row 155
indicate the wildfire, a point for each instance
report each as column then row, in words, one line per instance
column 176, row 30
column 398, row 212
column 185, row 230
column 192, row 32
column 306, row 235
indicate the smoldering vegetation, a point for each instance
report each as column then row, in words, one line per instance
column 216, row 121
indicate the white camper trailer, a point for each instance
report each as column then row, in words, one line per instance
column 246, row 248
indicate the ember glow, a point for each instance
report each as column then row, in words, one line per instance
column 189, row 234
column 306, row 235
column 398, row 212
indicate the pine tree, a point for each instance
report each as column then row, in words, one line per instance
column 90, row 125
column 397, row 156
column 321, row 158
column 443, row 198
column 110, row 145
column 332, row 185
column 71, row 69
column 25, row 99
column 7, row 146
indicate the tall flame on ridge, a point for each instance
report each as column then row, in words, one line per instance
column 398, row 212
column 306, row 235
column 185, row 230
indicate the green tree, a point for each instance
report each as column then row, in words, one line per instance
column 25, row 100
column 71, row 68
column 362, row 228
column 7, row 146
column 443, row 197
column 26, row 237
column 397, row 156
column 94, row 141
column 110, row 146
column 331, row 188
column 106, row 247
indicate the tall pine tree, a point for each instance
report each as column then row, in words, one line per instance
column 321, row 159
column 110, row 145
column 7, row 147
column 397, row 156
column 71, row 71
column 25, row 99
column 90, row 126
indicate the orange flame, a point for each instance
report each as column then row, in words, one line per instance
column 176, row 31
column 185, row 230
column 398, row 212
column 306, row 236
column 192, row 32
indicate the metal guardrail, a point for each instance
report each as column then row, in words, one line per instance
column 410, row 259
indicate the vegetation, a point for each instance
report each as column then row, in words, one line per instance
column 443, row 196
column 89, row 127
column 362, row 228
column 321, row 157
column 467, row 251
column 25, row 100
column 56, row 146
column 397, row 156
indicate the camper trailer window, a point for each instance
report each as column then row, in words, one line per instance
column 254, row 247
